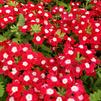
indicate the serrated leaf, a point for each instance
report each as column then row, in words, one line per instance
column 14, row 28
column 12, row 3
column 2, row 38
column 21, row 20
column 60, row 33
column 1, row 89
column 97, row 84
column 36, row 28
column 96, row 96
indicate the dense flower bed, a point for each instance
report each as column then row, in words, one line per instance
column 49, row 53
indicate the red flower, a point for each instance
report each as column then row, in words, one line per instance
column 14, row 89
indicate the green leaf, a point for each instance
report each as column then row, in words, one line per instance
column 21, row 20
column 60, row 33
column 14, row 28
column 12, row 3
column 2, row 38
column 97, row 84
column 1, row 89
column 36, row 28
column 96, row 96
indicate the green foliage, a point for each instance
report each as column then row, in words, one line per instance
column 2, row 38
column 21, row 20
column 60, row 33
column 36, row 28
column 2, row 90
column 96, row 96
column 66, row 5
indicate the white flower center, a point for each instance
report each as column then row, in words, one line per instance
column 25, row 49
column 54, row 68
column 78, row 69
column 95, row 38
column 80, row 97
column 88, row 52
column 14, row 50
column 29, row 97
column 70, row 99
column 46, row 14
column 10, row 62
column 54, row 79
column 70, row 52
column 43, row 62
column 5, row 19
column 4, row 68
column 80, row 31
column 97, row 30
column 11, row 99
column 46, row 31
column 38, row 38
column 82, row 22
column 5, row 55
column 74, row 88
column 26, row 78
column 97, row 24
column 50, row 91
column 59, row 99
column 8, row 11
column 30, row 57
column 54, row 39
column 64, row 81
column 81, row 46
column 68, row 61
column 34, row 73
column 25, row 27
column 25, row 63
column 35, row 79
column 87, row 65
column 14, row 71
column 30, row 15
column 96, row 46
column 15, row 9
column 84, row 38
column 93, row 60
column 83, row 16
column 61, row 10
column 14, row 89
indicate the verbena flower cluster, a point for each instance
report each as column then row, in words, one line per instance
column 37, row 77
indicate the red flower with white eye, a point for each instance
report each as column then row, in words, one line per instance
column 12, row 98
column 52, row 40
column 77, row 71
column 37, row 39
column 26, row 78
column 52, row 80
column 71, row 99
column 9, row 62
column 11, row 19
column 25, row 47
column 66, row 62
column 14, row 89
column 28, row 95
column 13, row 73
column 67, row 80
column 49, row 91
column 89, row 68
column 5, row 20
column 14, row 49
column 24, row 65
column 8, row 10
column 24, row 28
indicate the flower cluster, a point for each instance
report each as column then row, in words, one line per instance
column 36, row 77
